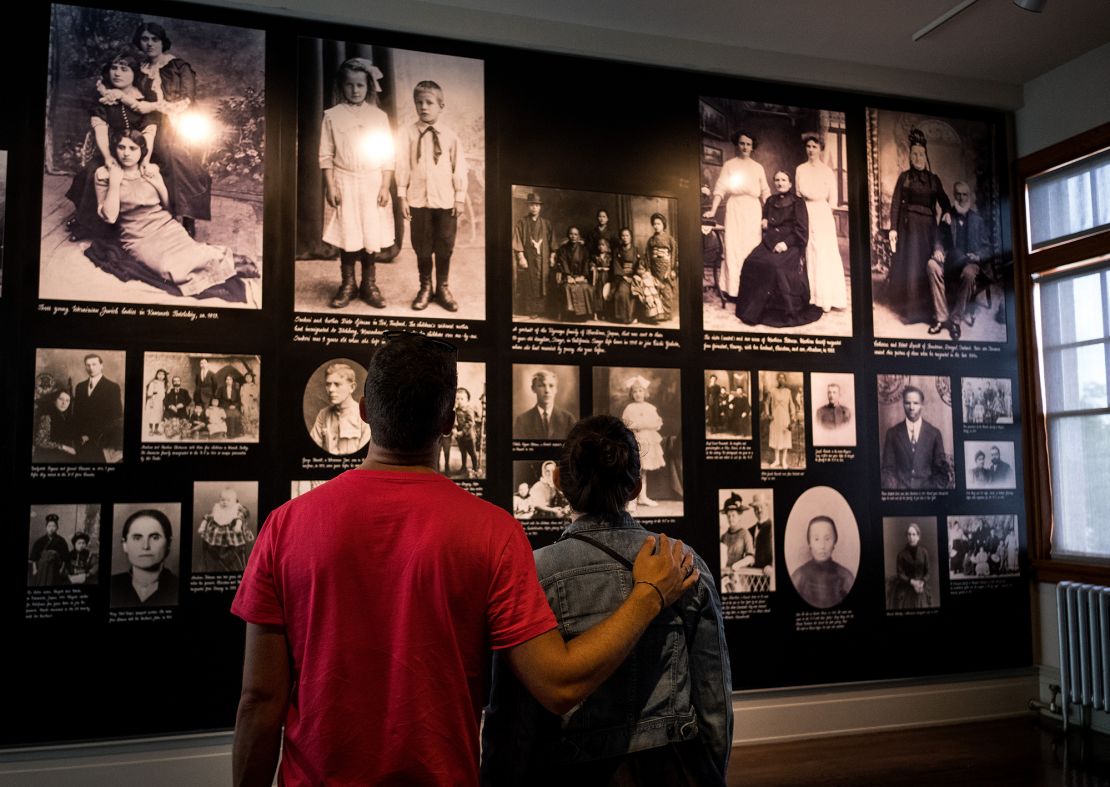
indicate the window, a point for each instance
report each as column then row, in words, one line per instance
column 1064, row 284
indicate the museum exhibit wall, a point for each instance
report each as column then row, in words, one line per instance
column 768, row 373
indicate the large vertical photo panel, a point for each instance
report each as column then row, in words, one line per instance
column 391, row 153
column 154, row 148
column 936, row 228
column 775, row 217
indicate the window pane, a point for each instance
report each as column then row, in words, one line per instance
column 1069, row 201
column 1075, row 378
column 1080, row 449
column 1071, row 309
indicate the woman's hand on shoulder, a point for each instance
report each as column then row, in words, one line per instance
column 150, row 170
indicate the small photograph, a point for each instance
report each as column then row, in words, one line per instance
column 822, row 547
column 64, row 545
column 983, row 546
column 747, row 530
column 330, row 407
column 648, row 401
column 155, row 142
column 987, row 400
column 201, row 397
column 775, row 219
column 989, row 465
column 389, row 138
column 782, row 421
column 462, row 454
column 545, row 401
column 298, row 488
column 728, row 404
column 915, row 428
column 535, row 496
column 593, row 257
column 834, row 408
column 78, row 412
column 936, row 228
column 911, row 562
column 225, row 515
column 145, row 555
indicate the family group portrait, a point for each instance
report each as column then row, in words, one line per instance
column 154, row 151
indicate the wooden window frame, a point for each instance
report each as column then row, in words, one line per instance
column 1038, row 473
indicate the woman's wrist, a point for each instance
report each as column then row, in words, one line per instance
column 653, row 586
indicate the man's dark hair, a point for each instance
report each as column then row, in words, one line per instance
column 410, row 392
column 600, row 466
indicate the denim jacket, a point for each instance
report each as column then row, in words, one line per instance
column 675, row 687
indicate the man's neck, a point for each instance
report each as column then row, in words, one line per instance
column 387, row 459
column 95, row 380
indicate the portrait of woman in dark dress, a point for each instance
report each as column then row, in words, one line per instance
column 774, row 289
column 910, row 585
column 54, row 439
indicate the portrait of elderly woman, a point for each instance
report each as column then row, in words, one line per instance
column 822, row 547
column 145, row 555
column 188, row 99
column 331, row 407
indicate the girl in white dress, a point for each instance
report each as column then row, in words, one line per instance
column 356, row 158
column 155, row 401
column 744, row 182
column 816, row 184
column 643, row 419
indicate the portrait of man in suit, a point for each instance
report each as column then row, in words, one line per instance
column 97, row 415
column 545, row 420
column 913, row 450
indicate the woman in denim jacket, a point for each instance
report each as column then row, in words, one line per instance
column 665, row 716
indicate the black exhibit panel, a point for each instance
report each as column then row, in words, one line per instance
column 800, row 301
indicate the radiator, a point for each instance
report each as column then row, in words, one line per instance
column 1083, row 618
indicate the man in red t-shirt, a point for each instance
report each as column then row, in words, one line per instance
column 373, row 602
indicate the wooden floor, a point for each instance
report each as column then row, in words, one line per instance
column 1012, row 752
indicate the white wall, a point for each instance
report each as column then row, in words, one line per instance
column 1066, row 101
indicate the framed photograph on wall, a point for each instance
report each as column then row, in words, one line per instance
column 710, row 154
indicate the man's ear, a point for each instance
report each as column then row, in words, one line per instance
column 448, row 422
column 555, row 478
column 637, row 489
column 362, row 409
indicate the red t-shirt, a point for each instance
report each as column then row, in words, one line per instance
column 392, row 587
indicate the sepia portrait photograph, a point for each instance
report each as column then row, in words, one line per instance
column 154, row 150
column 225, row 525
column 782, row 421
column 330, row 407
column 728, row 404
column 987, row 400
column 746, row 526
column 535, row 495
column 64, row 545
column 546, row 401
column 936, row 228
column 915, row 432
column 989, row 464
column 912, row 568
column 78, row 410
column 821, row 546
column 775, row 217
column 983, row 546
column 462, row 454
column 834, row 408
column 201, row 397
column 146, row 555
column 391, row 159
column 648, row 401
column 594, row 258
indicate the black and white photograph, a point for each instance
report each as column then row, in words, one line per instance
column 535, row 496
column 462, row 454
column 649, row 402
column 782, row 421
column 595, row 258
column 201, row 397
column 146, row 555
column 330, row 407
column 936, row 228
column 746, row 526
column 987, row 400
column 298, row 488
column 78, row 411
column 389, row 139
column 915, row 432
column 989, row 464
column 546, row 401
column 728, row 404
column 983, row 546
column 821, row 547
column 155, row 142
column 912, row 566
column 225, row 525
column 834, row 408
column 775, row 219
column 64, row 545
